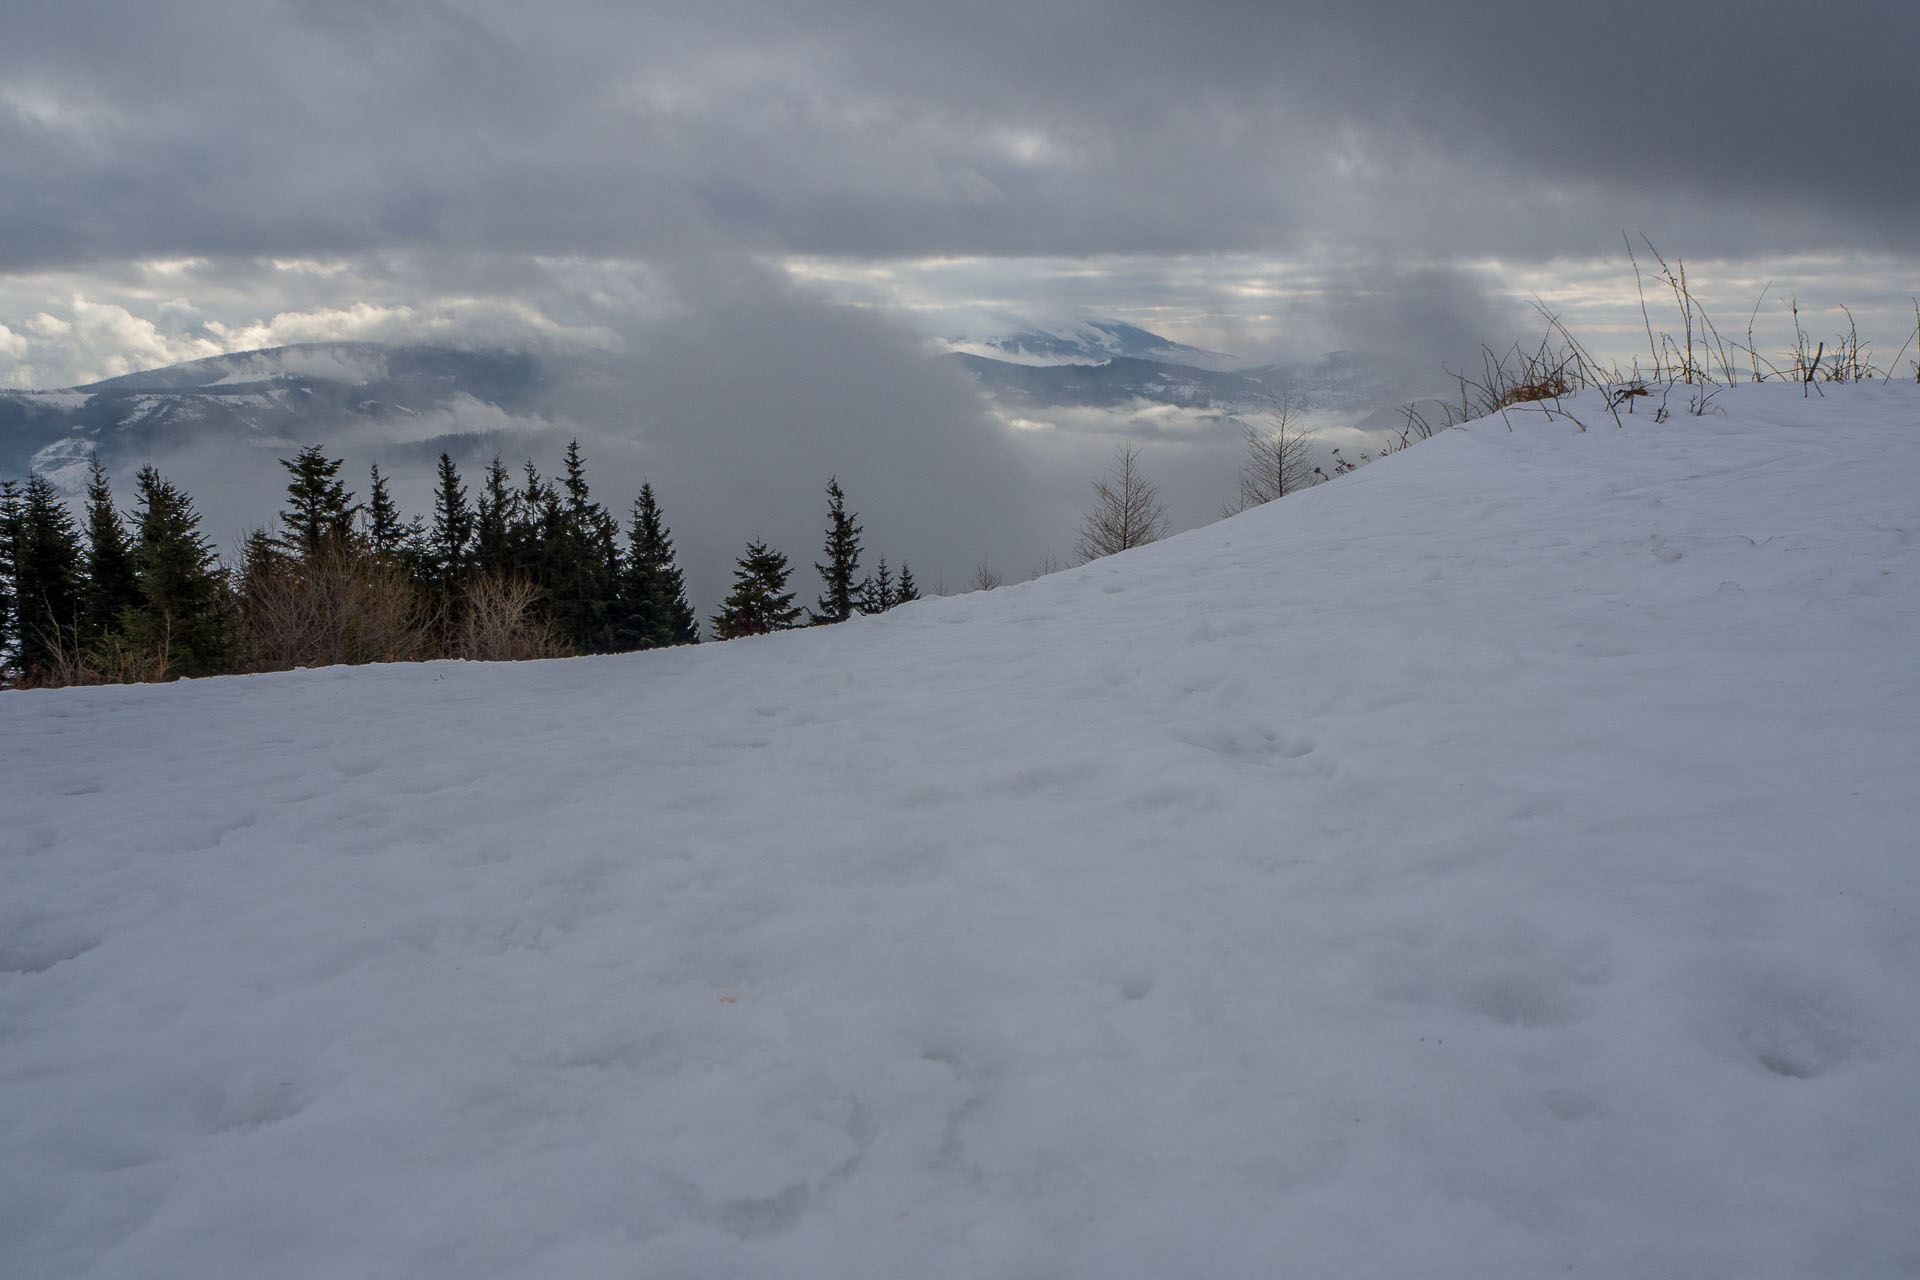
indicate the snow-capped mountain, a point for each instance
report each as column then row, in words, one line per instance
column 427, row 396
column 1092, row 342
column 277, row 397
column 1339, row 381
column 1109, row 365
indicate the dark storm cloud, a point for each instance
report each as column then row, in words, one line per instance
column 902, row 128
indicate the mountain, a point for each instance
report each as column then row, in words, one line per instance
column 1105, row 364
column 431, row 397
column 1496, row 863
column 1340, row 381
column 1092, row 342
column 281, row 397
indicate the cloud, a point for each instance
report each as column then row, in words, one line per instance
column 846, row 126
column 422, row 166
column 461, row 321
column 125, row 343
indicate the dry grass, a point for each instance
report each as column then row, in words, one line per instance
column 1695, row 364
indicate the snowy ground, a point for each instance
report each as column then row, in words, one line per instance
column 1500, row 862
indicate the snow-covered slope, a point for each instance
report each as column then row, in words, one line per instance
column 1500, row 862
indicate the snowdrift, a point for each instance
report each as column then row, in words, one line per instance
column 1500, row 862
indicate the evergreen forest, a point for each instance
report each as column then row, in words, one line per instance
column 515, row 566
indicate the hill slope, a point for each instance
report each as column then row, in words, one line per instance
column 1497, row 863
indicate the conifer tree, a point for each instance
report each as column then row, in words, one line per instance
column 760, row 602
column 877, row 590
column 536, row 523
column 111, row 588
column 452, row 530
column 583, row 579
column 579, row 503
column 841, row 597
column 262, row 559
column 493, row 522
column 386, row 532
column 46, row 574
column 653, row 595
column 319, row 507
column 184, row 620
column 906, row 590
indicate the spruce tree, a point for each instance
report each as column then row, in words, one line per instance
column 906, row 590
column 841, row 597
column 46, row 564
column 319, row 507
column 760, row 601
column 493, row 522
column 653, row 606
column 452, row 530
column 184, row 619
column 386, row 532
column 262, row 561
column 111, row 591
column 584, row 576
column 579, row 503
column 877, row 590
column 111, row 588
column 535, row 525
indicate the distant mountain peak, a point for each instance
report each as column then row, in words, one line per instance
column 352, row 363
column 1087, row 342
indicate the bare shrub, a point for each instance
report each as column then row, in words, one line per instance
column 501, row 621
column 985, row 576
column 336, row 604
column 61, row 664
column 116, row 658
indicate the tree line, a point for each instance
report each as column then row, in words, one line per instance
column 761, row 602
column 524, row 567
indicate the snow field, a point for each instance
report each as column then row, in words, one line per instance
column 1500, row 862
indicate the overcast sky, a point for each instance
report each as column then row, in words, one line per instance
column 195, row 176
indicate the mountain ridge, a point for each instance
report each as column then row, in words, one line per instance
column 303, row 392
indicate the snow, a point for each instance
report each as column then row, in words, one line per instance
column 64, row 464
column 1499, row 862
